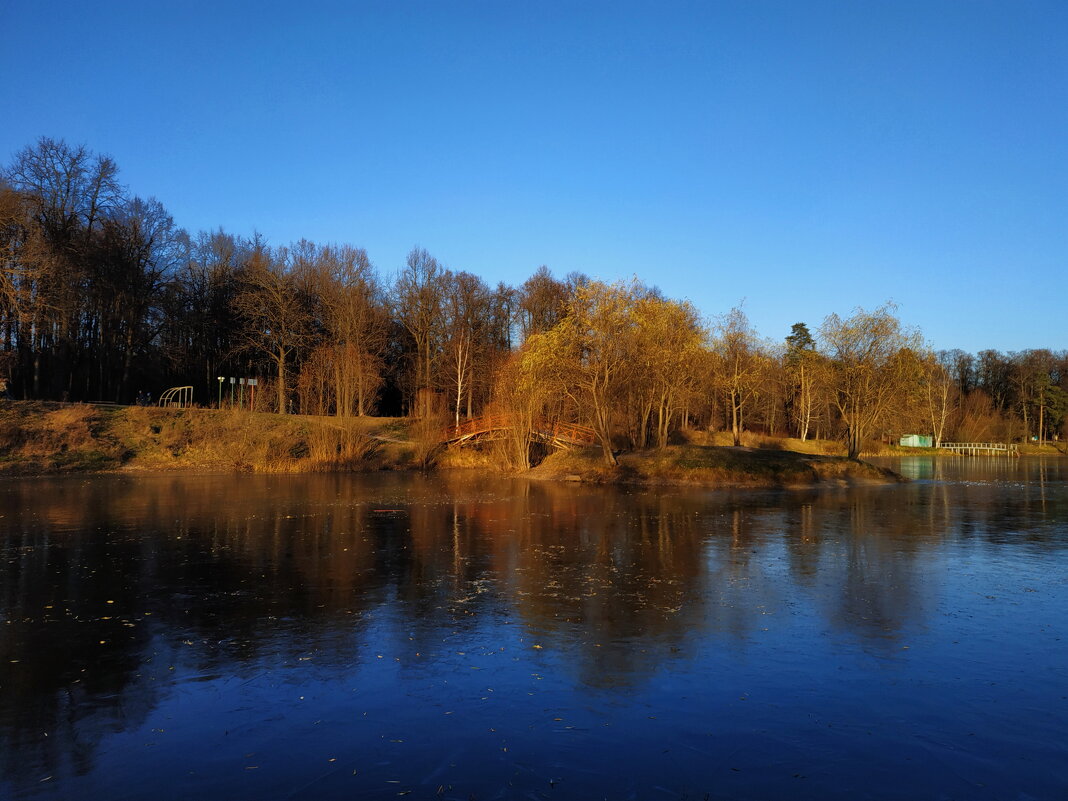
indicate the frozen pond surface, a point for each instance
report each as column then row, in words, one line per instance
column 458, row 637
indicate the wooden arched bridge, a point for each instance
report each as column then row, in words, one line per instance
column 556, row 434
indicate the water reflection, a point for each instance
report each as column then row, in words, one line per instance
column 116, row 592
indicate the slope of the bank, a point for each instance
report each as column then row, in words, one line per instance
column 46, row 438
column 714, row 466
column 38, row 438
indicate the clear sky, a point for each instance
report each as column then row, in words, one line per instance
column 802, row 157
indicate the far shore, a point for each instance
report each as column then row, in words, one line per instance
column 42, row 438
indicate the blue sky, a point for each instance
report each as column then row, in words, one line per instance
column 802, row 157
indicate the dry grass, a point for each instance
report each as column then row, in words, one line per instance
column 52, row 437
column 723, row 439
column 709, row 465
column 340, row 446
column 46, row 438
column 1059, row 448
column 468, row 458
column 254, row 442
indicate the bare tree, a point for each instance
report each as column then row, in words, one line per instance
column 275, row 311
column 199, row 333
column 467, row 303
column 869, row 369
column 19, row 264
column 739, row 366
column 69, row 193
column 72, row 190
column 1033, row 373
column 355, row 317
column 418, row 304
column 806, row 371
column 542, row 302
column 939, row 395
column 132, row 258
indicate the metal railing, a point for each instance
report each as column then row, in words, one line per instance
column 177, row 397
column 981, row 448
column 550, row 431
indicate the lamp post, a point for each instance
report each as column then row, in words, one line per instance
column 221, row 379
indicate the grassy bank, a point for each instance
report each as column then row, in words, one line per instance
column 43, row 438
column 46, row 438
column 710, row 465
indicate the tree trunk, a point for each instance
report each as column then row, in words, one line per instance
column 280, row 359
column 361, row 391
column 340, row 391
column 127, row 364
column 736, row 430
column 853, row 439
column 604, row 434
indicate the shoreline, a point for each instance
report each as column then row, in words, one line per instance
column 621, row 480
column 715, row 467
column 39, row 439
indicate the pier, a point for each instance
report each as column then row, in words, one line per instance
column 981, row 448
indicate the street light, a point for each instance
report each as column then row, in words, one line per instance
column 221, row 379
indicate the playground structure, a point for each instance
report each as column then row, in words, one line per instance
column 177, row 398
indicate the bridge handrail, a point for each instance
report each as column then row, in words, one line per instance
column 574, row 431
column 978, row 448
column 571, row 432
column 476, row 425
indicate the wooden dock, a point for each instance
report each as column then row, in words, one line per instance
column 981, row 448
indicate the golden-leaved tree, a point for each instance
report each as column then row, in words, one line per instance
column 871, row 371
column 668, row 347
column 622, row 356
column 587, row 356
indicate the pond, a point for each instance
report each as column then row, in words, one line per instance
column 459, row 636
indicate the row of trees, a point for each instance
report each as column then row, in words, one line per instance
column 102, row 295
column 636, row 365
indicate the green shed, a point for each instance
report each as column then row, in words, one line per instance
column 916, row 441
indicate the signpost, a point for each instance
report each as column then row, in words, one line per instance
column 241, row 383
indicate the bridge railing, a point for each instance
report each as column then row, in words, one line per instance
column 574, row 433
column 571, row 433
column 476, row 425
column 976, row 447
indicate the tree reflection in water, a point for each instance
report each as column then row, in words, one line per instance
column 120, row 593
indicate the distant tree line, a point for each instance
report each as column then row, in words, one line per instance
column 102, row 296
